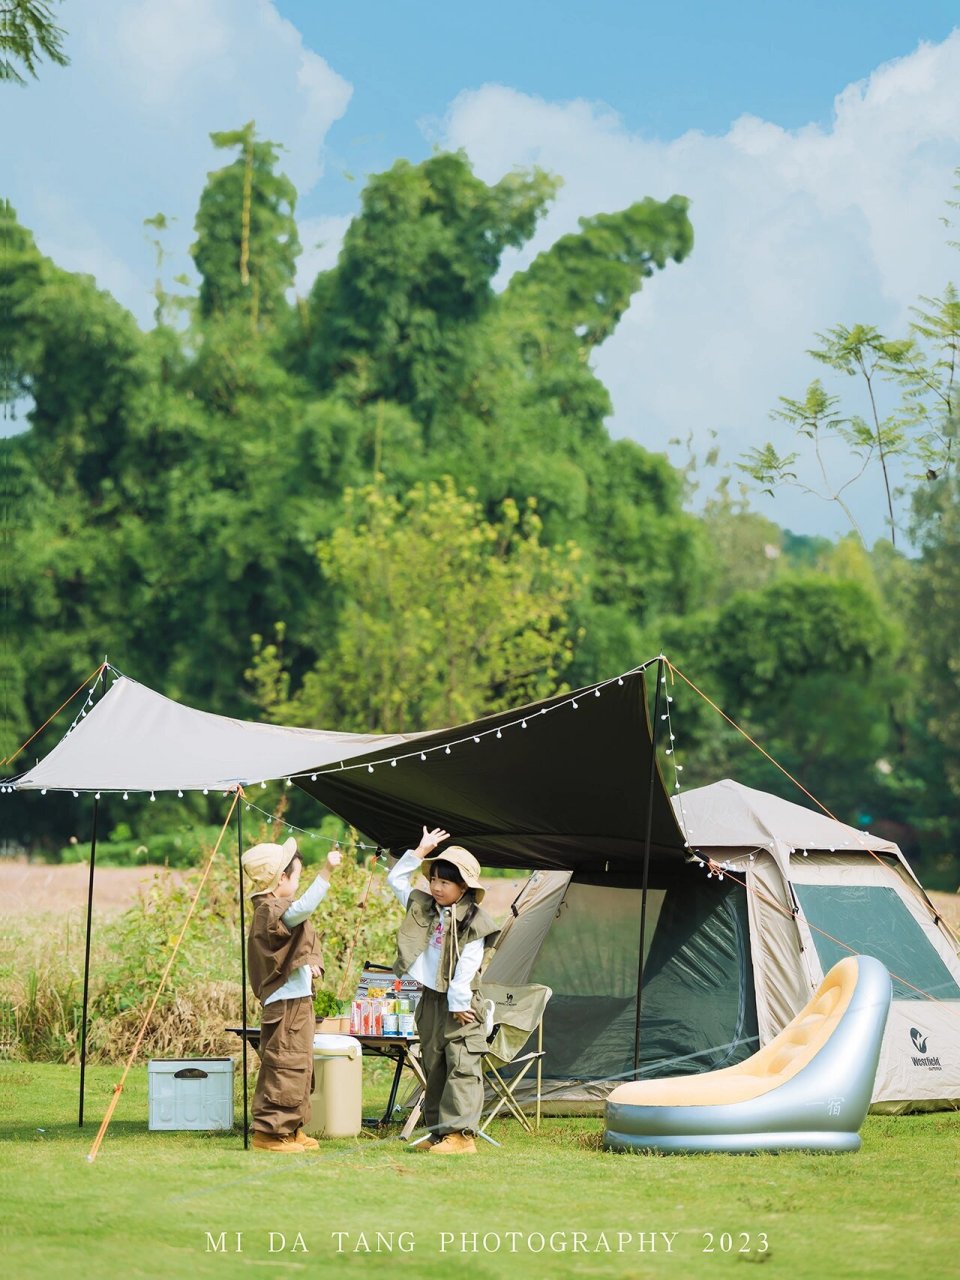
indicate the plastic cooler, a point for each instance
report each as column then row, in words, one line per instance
column 190, row 1093
column 337, row 1099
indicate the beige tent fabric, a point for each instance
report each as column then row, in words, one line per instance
column 137, row 740
column 728, row 815
column 536, row 905
column 928, row 1079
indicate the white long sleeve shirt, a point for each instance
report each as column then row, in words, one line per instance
column 299, row 983
column 427, row 964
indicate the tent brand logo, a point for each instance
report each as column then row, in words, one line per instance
column 920, row 1044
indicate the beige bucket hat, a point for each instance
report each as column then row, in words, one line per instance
column 465, row 863
column 264, row 864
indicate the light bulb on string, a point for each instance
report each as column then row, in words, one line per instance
column 574, row 704
column 369, row 768
column 620, row 680
column 476, row 738
column 446, row 751
column 313, row 777
column 393, row 764
column 499, row 734
column 206, row 791
column 423, row 755
column 523, row 724
column 596, row 693
column 179, row 794
column 152, row 796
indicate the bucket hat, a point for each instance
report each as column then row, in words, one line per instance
column 465, row 863
column 264, row 864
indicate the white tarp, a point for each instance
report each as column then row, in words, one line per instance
column 134, row 739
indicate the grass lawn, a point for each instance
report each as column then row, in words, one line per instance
column 157, row 1204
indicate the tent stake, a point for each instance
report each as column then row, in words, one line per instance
column 646, row 860
column 243, row 978
column 86, row 959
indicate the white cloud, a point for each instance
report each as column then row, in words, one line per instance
column 321, row 240
column 122, row 133
column 795, row 231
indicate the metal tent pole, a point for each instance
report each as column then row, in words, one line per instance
column 646, row 859
column 86, row 958
column 243, row 973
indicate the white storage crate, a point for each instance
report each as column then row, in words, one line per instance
column 190, row 1093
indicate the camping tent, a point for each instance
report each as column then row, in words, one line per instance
column 730, row 962
column 569, row 787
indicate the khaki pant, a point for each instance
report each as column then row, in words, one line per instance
column 281, row 1101
column 451, row 1054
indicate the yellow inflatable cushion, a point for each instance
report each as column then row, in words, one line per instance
column 775, row 1063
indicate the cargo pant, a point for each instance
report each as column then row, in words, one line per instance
column 451, row 1056
column 281, row 1101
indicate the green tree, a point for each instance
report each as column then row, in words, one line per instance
column 443, row 615
column 394, row 318
column 28, row 32
column 247, row 243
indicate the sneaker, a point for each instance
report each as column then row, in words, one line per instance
column 308, row 1143
column 280, row 1144
column 454, row 1144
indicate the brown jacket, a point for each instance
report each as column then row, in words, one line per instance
column 273, row 950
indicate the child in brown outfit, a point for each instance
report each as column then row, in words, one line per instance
column 283, row 958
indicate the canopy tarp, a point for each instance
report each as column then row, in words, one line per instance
column 134, row 739
column 564, row 782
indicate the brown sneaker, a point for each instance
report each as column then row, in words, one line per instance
column 280, row 1144
column 308, row 1143
column 454, row 1144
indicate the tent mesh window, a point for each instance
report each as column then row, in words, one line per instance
column 698, row 1010
column 873, row 920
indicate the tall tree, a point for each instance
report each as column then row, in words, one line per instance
column 443, row 614
column 247, row 243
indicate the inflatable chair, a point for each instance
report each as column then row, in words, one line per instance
column 808, row 1089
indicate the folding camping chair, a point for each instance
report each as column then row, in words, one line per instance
column 517, row 1013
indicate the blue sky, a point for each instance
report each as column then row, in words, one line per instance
column 817, row 143
column 664, row 69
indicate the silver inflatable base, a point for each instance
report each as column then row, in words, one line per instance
column 690, row 1144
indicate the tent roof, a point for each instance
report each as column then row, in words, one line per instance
column 136, row 740
column 561, row 783
column 558, row 783
column 727, row 815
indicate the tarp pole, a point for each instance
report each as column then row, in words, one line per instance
column 243, row 974
column 651, row 780
column 86, row 958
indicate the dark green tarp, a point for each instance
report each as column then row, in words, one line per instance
column 569, row 790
